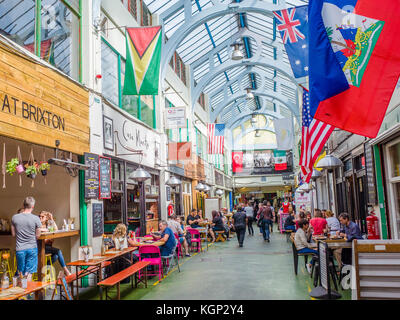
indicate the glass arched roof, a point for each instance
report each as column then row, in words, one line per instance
column 206, row 37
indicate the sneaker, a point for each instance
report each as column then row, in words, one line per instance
column 309, row 267
column 187, row 255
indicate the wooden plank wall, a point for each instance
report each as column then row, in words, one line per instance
column 48, row 90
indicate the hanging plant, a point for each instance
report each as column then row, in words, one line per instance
column 11, row 166
column 44, row 167
column 32, row 170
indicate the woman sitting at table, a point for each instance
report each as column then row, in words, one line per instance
column 217, row 224
column 46, row 218
column 301, row 243
column 332, row 223
column 119, row 237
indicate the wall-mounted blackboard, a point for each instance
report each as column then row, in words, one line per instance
column 98, row 219
column 105, row 177
column 92, row 176
column 168, row 191
column 369, row 164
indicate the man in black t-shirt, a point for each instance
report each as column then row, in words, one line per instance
column 193, row 219
column 239, row 223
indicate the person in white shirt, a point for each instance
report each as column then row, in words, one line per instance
column 332, row 222
column 177, row 229
column 301, row 243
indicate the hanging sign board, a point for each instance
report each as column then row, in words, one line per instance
column 175, row 118
column 92, row 176
column 105, row 178
column 98, row 224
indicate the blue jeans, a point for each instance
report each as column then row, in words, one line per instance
column 27, row 260
column 56, row 254
column 265, row 228
column 308, row 250
column 290, row 228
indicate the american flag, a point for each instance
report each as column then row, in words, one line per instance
column 215, row 138
column 315, row 133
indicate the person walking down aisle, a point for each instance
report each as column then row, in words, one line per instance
column 239, row 224
column 266, row 214
column 249, row 214
column 273, row 216
column 25, row 226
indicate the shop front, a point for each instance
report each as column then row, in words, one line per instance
column 131, row 145
column 195, row 170
column 179, row 196
column 44, row 131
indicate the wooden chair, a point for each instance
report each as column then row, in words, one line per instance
column 296, row 255
column 219, row 236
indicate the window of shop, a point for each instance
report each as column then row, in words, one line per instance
column 113, row 71
column 131, row 6
column 113, row 208
column 54, row 36
column 393, row 169
column 348, row 165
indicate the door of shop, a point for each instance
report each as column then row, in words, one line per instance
column 362, row 202
column 350, row 196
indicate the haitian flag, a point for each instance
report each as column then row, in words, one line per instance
column 293, row 27
column 355, row 62
column 143, row 55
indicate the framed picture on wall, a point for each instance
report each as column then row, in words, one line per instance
column 108, row 133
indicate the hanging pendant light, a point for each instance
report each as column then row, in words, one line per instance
column 329, row 162
column 200, row 187
column 237, row 54
column 249, row 94
column 140, row 175
column 219, row 192
column 173, row 181
column 206, row 188
column 316, row 174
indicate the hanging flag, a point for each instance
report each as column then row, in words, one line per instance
column 314, row 135
column 215, row 133
column 179, row 151
column 284, row 133
column 293, row 27
column 354, row 62
column 237, row 161
column 143, row 54
column 280, row 160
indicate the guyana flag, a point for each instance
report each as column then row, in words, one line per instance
column 143, row 54
column 280, row 160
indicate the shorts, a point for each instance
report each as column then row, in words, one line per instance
column 181, row 239
column 217, row 229
column 27, row 260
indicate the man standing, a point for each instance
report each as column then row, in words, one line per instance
column 26, row 228
column 249, row 214
column 239, row 223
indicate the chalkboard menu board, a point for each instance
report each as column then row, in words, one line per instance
column 105, row 177
column 92, row 176
column 98, row 215
column 369, row 164
column 168, row 189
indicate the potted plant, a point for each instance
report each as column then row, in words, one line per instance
column 32, row 170
column 11, row 166
column 44, row 166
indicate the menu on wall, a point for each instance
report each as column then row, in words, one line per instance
column 98, row 224
column 369, row 164
column 168, row 191
column 92, row 176
column 105, row 178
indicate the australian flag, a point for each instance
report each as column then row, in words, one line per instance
column 292, row 24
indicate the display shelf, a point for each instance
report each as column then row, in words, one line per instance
column 112, row 221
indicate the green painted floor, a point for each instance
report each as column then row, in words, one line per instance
column 258, row 271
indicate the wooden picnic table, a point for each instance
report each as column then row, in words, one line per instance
column 97, row 262
column 32, row 287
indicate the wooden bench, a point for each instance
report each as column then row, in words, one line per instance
column 219, row 236
column 122, row 275
column 83, row 273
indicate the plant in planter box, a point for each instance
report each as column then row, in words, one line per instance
column 32, row 170
column 11, row 166
column 44, row 167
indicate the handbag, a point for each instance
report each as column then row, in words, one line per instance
column 260, row 221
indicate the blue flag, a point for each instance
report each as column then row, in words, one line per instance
column 293, row 27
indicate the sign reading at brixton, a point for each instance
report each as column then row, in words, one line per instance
column 105, row 178
column 92, row 176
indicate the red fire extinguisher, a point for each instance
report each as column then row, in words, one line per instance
column 372, row 226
